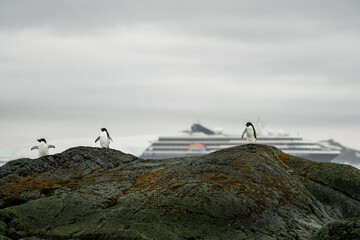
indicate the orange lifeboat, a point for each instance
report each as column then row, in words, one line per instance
column 197, row 147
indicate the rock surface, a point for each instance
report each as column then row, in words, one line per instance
column 346, row 229
column 244, row 192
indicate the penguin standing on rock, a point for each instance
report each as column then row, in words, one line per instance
column 250, row 133
column 43, row 147
column 104, row 138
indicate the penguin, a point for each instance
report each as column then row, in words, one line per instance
column 250, row 133
column 104, row 138
column 43, row 147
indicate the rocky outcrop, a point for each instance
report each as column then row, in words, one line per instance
column 244, row 192
column 348, row 229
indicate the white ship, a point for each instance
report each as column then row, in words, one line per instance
column 201, row 140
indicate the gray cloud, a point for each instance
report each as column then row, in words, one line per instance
column 161, row 64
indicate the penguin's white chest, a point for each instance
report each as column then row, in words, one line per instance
column 250, row 136
column 43, row 149
column 104, row 140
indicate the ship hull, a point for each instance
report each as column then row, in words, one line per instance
column 318, row 157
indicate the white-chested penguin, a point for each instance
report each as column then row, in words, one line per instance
column 250, row 133
column 104, row 138
column 43, row 147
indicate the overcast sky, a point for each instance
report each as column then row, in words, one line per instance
column 68, row 68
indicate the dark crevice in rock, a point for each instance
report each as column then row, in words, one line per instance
column 334, row 189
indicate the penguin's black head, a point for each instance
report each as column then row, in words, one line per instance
column 248, row 124
column 103, row 130
column 41, row 140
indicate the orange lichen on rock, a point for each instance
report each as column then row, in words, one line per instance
column 150, row 180
column 13, row 189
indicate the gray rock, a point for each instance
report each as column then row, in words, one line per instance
column 2, row 237
column 348, row 229
column 244, row 192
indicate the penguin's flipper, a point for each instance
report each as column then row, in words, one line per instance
column 35, row 147
column 108, row 136
column 254, row 131
column 98, row 138
column 242, row 136
column 51, row 146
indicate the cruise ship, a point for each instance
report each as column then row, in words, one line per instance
column 200, row 140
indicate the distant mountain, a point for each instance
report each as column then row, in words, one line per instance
column 347, row 155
